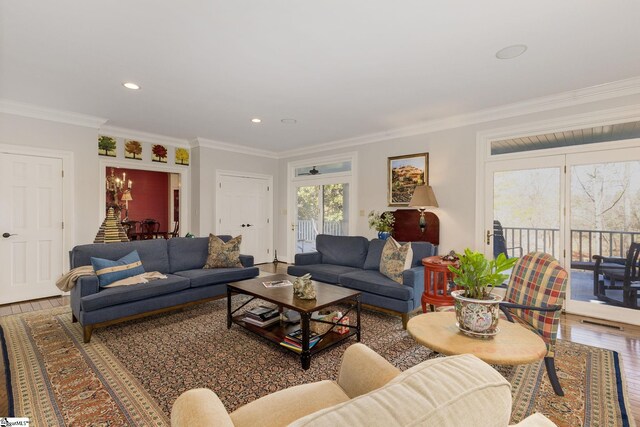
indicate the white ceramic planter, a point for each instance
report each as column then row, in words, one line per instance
column 477, row 318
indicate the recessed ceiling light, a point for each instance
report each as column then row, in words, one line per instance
column 256, row 120
column 289, row 121
column 131, row 85
column 511, row 52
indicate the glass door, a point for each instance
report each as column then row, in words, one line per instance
column 320, row 209
column 604, row 194
column 572, row 206
column 523, row 213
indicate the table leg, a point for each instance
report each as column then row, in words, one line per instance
column 305, row 356
column 228, row 308
column 358, row 318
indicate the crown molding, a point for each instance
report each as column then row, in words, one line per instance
column 143, row 136
column 236, row 148
column 43, row 113
column 571, row 98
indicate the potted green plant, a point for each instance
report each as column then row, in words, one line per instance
column 382, row 223
column 477, row 308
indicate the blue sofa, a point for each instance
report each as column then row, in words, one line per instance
column 354, row 262
column 180, row 259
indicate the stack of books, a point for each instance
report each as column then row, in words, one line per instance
column 293, row 340
column 262, row 316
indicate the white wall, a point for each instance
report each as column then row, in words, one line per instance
column 452, row 162
column 82, row 141
column 206, row 161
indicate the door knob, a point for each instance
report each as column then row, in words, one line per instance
column 7, row 235
column 243, row 225
column 489, row 237
column 248, row 225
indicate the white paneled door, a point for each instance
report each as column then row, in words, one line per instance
column 244, row 209
column 30, row 227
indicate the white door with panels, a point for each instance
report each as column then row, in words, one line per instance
column 31, row 227
column 244, row 209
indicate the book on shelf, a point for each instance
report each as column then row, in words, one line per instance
column 261, row 323
column 312, row 342
column 296, row 348
column 277, row 283
column 260, row 310
column 262, row 313
column 296, row 336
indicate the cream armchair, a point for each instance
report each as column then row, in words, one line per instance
column 451, row 391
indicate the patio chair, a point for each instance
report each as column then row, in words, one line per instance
column 625, row 278
column 499, row 242
column 534, row 298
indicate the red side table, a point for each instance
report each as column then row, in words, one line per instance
column 436, row 283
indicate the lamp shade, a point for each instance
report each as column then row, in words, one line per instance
column 423, row 196
column 126, row 196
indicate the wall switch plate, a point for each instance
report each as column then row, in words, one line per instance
column 361, row 212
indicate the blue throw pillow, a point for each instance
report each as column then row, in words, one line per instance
column 111, row 271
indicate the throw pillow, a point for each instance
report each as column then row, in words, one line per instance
column 111, row 271
column 395, row 259
column 223, row 255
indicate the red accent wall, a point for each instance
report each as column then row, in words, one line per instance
column 150, row 192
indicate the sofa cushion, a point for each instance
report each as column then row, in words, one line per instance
column 431, row 393
column 108, row 297
column 189, row 253
column 395, row 259
column 349, row 251
column 322, row 272
column 374, row 282
column 203, row 277
column 285, row 406
column 223, row 254
column 109, row 271
column 373, row 255
column 153, row 253
column 422, row 250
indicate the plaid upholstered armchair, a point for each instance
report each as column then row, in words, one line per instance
column 534, row 298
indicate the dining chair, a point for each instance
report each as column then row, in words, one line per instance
column 534, row 298
column 131, row 228
column 149, row 229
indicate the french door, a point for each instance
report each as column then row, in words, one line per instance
column 31, row 229
column 244, row 208
column 321, row 207
column 572, row 206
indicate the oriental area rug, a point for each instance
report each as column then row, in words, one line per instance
column 131, row 373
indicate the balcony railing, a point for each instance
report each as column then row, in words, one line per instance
column 584, row 243
column 308, row 229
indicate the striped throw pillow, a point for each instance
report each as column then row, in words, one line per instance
column 111, row 271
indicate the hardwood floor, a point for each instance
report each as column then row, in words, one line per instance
column 626, row 342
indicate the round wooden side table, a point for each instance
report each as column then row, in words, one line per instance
column 436, row 283
column 513, row 345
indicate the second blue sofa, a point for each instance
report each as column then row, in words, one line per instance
column 354, row 262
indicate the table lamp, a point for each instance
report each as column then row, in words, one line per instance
column 423, row 197
column 126, row 197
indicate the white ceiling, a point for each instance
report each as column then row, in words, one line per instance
column 341, row 68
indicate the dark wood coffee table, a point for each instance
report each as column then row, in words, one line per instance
column 326, row 296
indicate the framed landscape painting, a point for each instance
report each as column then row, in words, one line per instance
column 404, row 174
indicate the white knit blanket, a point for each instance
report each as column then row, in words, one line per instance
column 68, row 280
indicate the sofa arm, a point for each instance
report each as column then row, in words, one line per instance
column 86, row 285
column 414, row 278
column 246, row 260
column 308, row 258
column 363, row 370
column 199, row 407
